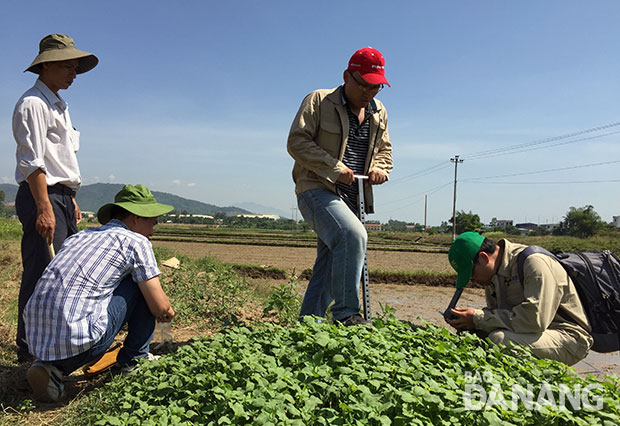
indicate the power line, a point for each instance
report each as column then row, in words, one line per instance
column 428, row 191
column 549, row 146
column 549, row 183
column 542, row 171
column 524, row 146
column 424, row 172
column 529, row 146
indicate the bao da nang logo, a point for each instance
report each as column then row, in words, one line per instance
column 483, row 392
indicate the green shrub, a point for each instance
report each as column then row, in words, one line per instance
column 203, row 291
column 285, row 302
column 10, row 229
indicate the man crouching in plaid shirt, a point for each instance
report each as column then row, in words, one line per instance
column 101, row 279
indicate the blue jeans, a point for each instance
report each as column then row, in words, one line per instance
column 341, row 246
column 127, row 306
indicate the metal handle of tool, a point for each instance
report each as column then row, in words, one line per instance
column 50, row 247
column 457, row 295
column 362, row 215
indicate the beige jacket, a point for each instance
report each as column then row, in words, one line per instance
column 532, row 306
column 318, row 138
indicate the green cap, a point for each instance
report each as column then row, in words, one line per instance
column 137, row 200
column 462, row 252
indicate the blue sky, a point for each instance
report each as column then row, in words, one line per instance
column 196, row 97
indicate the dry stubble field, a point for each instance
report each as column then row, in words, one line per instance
column 409, row 301
column 302, row 258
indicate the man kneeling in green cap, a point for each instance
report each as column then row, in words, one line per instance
column 543, row 312
column 101, row 279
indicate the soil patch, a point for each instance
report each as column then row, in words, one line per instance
column 301, row 258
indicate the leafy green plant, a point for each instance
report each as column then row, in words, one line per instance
column 321, row 374
column 285, row 301
column 386, row 313
column 10, row 229
column 26, row 406
column 204, row 291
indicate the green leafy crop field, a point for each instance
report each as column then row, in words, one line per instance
column 320, row 374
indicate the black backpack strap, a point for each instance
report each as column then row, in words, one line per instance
column 525, row 254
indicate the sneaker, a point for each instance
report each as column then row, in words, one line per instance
column 356, row 319
column 132, row 366
column 45, row 381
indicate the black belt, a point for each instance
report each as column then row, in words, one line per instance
column 61, row 189
column 56, row 189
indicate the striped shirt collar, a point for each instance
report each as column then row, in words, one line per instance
column 370, row 108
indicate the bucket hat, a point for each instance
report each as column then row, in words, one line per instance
column 461, row 255
column 370, row 64
column 60, row 47
column 135, row 199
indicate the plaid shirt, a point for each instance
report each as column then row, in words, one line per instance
column 67, row 313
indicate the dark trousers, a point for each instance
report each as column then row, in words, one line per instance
column 35, row 251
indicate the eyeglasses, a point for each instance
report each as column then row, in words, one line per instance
column 365, row 86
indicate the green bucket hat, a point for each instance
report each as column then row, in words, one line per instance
column 461, row 255
column 60, row 47
column 137, row 200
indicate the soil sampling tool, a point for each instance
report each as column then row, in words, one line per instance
column 447, row 315
column 362, row 215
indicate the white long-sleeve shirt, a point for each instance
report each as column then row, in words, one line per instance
column 45, row 138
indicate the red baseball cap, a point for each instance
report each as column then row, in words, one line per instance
column 370, row 64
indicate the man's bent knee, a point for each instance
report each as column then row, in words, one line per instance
column 498, row 337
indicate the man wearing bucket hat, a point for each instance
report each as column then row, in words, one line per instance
column 102, row 278
column 47, row 170
column 543, row 312
column 336, row 134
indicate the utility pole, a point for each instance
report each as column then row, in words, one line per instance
column 425, row 212
column 456, row 162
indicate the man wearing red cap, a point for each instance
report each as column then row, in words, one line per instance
column 336, row 134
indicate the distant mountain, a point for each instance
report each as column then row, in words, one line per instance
column 10, row 191
column 261, row 209
column 91, row 197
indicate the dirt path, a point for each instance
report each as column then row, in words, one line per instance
column 302, row 258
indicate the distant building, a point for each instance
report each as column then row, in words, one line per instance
column 528, row 225
column 88, row 215
column 616, row 221
column 525, row 228
column 548, row 227
column 373, row 226
column 498, row 224
column 202, row 216
column 503, row 223
column 260, row 216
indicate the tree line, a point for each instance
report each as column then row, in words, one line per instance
column 581, row 222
